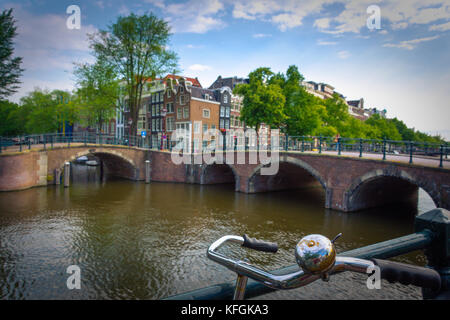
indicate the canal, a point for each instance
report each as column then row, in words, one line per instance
column 148, row 241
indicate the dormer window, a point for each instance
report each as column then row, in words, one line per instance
column 169, row 93
column 206, row 96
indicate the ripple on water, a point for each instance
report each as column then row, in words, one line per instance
column 137, row 241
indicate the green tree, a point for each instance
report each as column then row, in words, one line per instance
column 263, row 101
column 385, row 128
column 136, row 47
column 11, row 122
column 46, row 112
column 10, row 70
column 97, row 94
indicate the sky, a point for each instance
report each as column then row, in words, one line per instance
column 401, row 65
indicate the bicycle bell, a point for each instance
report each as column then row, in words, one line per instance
column 316, row 254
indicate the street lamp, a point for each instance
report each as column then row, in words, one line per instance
column 163, row 136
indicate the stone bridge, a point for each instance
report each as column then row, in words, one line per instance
column 349, row 183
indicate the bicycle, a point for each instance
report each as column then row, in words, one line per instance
column 316, row 256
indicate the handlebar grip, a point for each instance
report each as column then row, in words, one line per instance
column 408, row 274
column 259, row 245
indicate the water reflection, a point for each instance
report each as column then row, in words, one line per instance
column 138, row 241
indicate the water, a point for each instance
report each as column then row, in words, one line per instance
column 138, row 241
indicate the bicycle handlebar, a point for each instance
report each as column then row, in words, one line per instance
column 259, row 245
column 408, row 274
column 391, row 271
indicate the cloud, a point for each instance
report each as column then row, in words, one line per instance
column 409, row 44
column 440, row 27
column 326, row 43
column 288, row 14
column 157, row 3
column 343, row 54
column 199, row 67
column 194, row 46
column 45, row 42
column 124, row 11
column 322, row 23
column 196, row 16
column 261, row 35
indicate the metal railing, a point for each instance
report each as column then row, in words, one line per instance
column 316, row 144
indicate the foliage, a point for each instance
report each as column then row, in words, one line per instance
column 10, row 70
column 11, row 122
column 46, row 112
column 97, row 94
column 298, row 112
column 263, row 100
column 136, row 48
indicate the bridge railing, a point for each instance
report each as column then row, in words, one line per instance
column 318, row 144
column 361, row 147
column 432, row 234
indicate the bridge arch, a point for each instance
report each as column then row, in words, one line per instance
column 385, row 186
column 219, row 173
column 293, row 173
column 115, row 162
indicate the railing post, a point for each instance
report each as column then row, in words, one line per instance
column 235, row 143
column 339, row 146
column 384, row 148
column 360, row 147
column 286, row 145
column 45, row 146
column 303, row 144
column 1, row 145
column 438, row 252
column 441, row 156
column 320, row 144
column 29, row 143
column 410, row 152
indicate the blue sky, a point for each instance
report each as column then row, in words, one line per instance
column 403, row 67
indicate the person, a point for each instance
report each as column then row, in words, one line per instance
column 336, row 140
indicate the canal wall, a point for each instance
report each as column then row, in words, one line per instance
column 350, row 184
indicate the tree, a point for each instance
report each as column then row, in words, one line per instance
column 386, row 128
column 10, row 70
column 11, row 122
column 136, row 48
column 98, row 92
column 263, row 100
column 47, row 112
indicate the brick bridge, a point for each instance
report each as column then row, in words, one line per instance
column 349, row 183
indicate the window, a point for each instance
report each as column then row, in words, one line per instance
column 222, row 111
column 181, row 89
column 170, row 107
column 182, row 99
column 197, row 126
column 213, row 126
column 228, row 112
column 179, row 113
column 185, row 112
column 225, row 98
column 205, row 127
column 206, row 113
column 206, row 96
column 221, row 124
column 169, row 93
column 170, row 123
